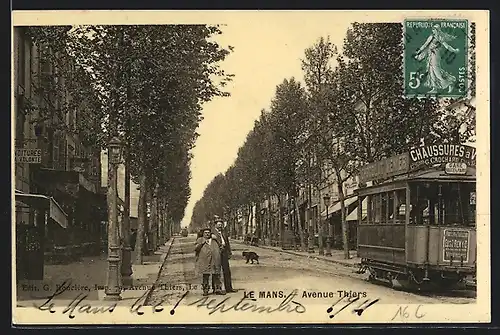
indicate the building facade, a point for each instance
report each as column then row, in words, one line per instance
column 57, row 176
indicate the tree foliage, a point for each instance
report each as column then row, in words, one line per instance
column 144, row 84
column 352, row 111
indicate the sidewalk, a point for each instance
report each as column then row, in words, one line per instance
column 336, row 257
column 88, row 277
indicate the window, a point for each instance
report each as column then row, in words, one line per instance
column 383, row 207
column 369, row 209
column 443, row 204
column 400, row 199
column 377, row 208
column 390, row 207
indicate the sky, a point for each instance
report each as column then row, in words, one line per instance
column 265, row 53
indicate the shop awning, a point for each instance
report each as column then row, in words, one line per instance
column 39, row 201
column 354, row 214
column 63, row 177
column 336, row 206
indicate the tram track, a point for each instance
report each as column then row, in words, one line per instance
column 178, row 271
column 175, row 274
column 335, row 270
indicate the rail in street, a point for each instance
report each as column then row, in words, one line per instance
column 281, row 272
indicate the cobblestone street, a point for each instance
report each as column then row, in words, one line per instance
column 283, row 272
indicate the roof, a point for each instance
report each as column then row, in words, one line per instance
column 429, row 174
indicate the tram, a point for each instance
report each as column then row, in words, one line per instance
column 419, row 228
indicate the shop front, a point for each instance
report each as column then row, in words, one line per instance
column 44, row 214
column 334, row 219
column 79, row 199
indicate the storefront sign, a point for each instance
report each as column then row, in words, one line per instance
column 384, row 168
column 442, row 153
column 29, row 156
column 456, row 245
column 455, row 168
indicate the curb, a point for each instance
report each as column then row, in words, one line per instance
column 308, row 256
column 163, row 260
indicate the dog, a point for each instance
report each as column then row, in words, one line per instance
column 250, row 256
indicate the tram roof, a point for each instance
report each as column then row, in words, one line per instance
column 428, row 175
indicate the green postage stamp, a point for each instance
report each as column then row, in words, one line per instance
column 435, row 57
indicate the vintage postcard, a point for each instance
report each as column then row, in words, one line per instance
column 250, row 167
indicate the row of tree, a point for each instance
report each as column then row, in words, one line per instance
column 351, row 111
column 144, row 84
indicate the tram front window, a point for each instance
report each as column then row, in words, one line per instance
column 443, row 204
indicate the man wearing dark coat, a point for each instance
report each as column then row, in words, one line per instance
column 225, row 251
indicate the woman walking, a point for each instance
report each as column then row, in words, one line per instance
column 208, row 261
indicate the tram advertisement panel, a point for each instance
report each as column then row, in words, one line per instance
column 456, row 245
column 441, row 154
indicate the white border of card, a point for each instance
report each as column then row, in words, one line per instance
column 314, row 313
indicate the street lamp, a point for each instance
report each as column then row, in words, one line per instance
column 113, row 287
column 326, row 200
column 115, row 150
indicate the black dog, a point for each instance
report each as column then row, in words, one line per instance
column 251, row 256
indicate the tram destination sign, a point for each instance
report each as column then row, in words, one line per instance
column 29, row 156
column 442, row 154
column 455, row 168
column 385, row 168
column 455, row 245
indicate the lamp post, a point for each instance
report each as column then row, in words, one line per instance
column 126, row 266
column 326, row 200
column 113, row 289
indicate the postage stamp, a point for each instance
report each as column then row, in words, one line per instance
column 177, row 167
column 436, row 57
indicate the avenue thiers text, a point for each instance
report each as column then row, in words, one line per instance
column 306, row 294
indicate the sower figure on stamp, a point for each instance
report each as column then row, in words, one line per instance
column 208, row 261
column 226, row 254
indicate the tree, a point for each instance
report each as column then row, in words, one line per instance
column 331, row 127
column 386, row 121
column 360, row 113
column 289, row 112
column 153, row 102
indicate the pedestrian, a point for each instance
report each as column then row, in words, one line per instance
column 208, row 261
column 225, row 252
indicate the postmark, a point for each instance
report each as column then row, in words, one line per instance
column 436, row 58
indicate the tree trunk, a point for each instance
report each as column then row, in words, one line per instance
column 141, row 219
column 281, row 226
column 252, row 227
column 345, row 228
column 258, row 221
column 160, row 221
column 147, row 220
column 271, row 230
column 154, row 219
column 297, row 216
column 321, row 229
column 167, row 223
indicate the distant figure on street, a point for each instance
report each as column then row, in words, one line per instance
column 208, row 261
column 225, row 252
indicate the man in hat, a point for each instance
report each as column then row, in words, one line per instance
column 207, row 251
column 225, row 247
